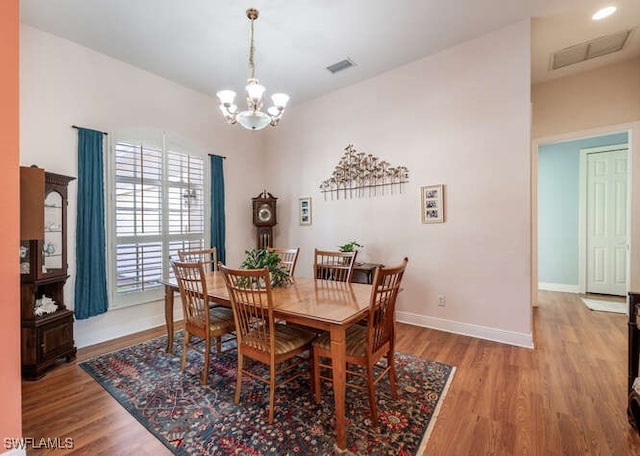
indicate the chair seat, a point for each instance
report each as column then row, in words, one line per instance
column 287, row 339
column 221, row 318
column 356, row 338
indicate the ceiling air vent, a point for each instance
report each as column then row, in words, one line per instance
column 341, row 65
column 590, row 49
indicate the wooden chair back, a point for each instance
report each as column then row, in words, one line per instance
column 381, row 321
column 200, row 319
column 366, row 346
column 330, row 265
column 288, row 259
column 259, row 337
column 193, row 289
column 208, row 257
column 250, row 296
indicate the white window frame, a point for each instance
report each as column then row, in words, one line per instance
column 122, row 300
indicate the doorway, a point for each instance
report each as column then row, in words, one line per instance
column 561, row 243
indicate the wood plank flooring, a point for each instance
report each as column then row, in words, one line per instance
column 566, row 397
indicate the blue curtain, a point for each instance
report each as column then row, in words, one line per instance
column 91, row 277
column 217, row 208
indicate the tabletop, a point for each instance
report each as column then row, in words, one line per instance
column 322, row 300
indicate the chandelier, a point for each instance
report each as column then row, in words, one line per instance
column 253, row 118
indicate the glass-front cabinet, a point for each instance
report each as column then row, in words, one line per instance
column 52, row 245
column 47, row 324
column 47, row 257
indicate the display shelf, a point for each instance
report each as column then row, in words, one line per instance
column 47, row 331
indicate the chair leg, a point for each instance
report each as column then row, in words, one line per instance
column 317, row 393
column 218, row 344
column 205, row 368
column 236, row 397
column 312, row 377
column 392, row 374
column 185, row 347
column 272, row 391
column 372, row 396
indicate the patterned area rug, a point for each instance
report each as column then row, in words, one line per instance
column 191, row 419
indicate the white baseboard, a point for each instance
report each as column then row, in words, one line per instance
column 481, row 332
column 563, row 287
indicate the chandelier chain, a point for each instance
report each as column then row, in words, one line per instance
column 252, row 51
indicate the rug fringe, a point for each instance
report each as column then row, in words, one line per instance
column 436, row 412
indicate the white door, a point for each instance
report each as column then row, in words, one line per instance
column 606, row 267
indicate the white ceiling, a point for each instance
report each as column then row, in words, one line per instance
column 203, row 44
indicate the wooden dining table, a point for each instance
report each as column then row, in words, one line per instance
column 320, row 304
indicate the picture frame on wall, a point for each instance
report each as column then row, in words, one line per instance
column 304, row 210
column 432, row 203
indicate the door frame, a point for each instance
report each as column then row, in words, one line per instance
column 582, row 211
column 634, row 140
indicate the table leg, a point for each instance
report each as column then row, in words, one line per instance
column 338, row 357
column 168, row 316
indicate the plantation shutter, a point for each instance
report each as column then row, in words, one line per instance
column 185, row 208
column 158, row 209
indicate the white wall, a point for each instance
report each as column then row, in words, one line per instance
column 64, row 84
column 459, row 118
column 466, row 129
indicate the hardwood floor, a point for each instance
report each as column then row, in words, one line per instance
column 567, row 396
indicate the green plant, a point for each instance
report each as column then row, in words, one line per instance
column 350, row 246
column 261, row 258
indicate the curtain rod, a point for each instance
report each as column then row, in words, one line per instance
column 105, row 133
column 216, row 155
column 76, row 127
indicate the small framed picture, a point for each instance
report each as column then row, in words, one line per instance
column 432, row 203
column 304, row 210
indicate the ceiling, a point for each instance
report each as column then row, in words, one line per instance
column 203, row 44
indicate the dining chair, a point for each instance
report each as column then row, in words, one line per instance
column 259, row 337
column 208, row 257
column 367, row 345
column 200, row 320
column 288, row 259
column 330, row 265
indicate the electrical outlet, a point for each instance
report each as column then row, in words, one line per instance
column 441, row 301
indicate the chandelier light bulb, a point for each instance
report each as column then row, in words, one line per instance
column 226, row 97
column 255, row 91
column 253, row 118
column 280, row 100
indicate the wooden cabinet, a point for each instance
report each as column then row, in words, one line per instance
column 363, row 272
column 633, row 404
column 47, row 334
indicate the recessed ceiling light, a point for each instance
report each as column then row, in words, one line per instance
column 604, row 12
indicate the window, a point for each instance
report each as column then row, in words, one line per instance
column 157, row 208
